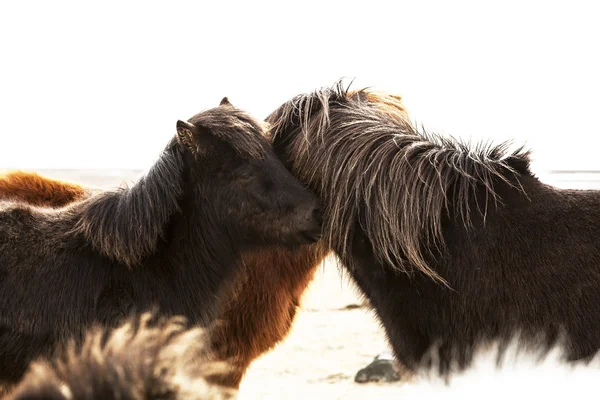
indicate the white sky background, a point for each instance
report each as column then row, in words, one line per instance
column 101, row 85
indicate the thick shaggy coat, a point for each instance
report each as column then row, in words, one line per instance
column 142, row 359
column 453, row 244
column 266, row 294
column 170, row 242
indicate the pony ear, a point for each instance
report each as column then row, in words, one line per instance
column 196, row 138
column 185, row 135
column 225, row 102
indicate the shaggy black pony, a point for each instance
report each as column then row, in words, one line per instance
column 168, row 242
column 454, row 245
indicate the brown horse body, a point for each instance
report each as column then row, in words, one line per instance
column 266, row 293
column 456, row 246
column 173, row 241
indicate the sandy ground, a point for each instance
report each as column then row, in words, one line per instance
column 330, row 341
column 335, row 335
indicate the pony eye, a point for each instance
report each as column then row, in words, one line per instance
column 245, row 178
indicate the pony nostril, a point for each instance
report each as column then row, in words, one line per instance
column 318, row 215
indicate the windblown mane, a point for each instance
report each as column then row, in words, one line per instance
column 145, row 359
column 127, row 223
column 371, row 166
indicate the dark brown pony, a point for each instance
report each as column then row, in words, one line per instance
column 455, row 245
column 142, row 359
column 266, row 294
column 170, row 242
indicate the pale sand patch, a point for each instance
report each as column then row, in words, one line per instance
column 327, row 346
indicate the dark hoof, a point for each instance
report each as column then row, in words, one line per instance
column 379, row 370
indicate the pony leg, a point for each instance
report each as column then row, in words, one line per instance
column 262, row 309
column 37, row 190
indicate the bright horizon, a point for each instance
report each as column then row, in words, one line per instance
column 101, row 86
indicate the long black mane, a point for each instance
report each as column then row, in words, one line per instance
column 127, row 224
column 377, row 169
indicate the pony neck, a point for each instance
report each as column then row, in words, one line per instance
column 126, row 224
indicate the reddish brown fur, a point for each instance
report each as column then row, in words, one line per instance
column 38, row 190
column 390, row 104
column 262, row 310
